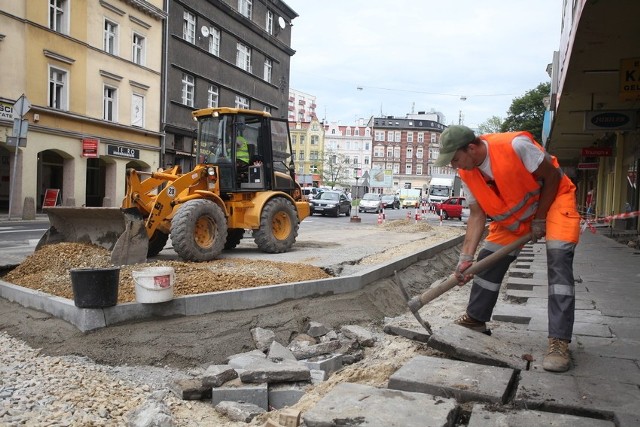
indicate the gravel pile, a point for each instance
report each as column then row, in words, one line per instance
column 47, row 270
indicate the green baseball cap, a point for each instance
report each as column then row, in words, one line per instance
column 452, row 139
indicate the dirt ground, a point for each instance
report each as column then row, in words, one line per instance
column 184, row 343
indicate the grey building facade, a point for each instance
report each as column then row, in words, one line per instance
column 232, row 53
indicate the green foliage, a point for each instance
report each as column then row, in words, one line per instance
column 491, row 125
column 527, row 112
column 334, row 169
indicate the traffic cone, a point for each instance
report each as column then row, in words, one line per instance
column 408, row 214
column 417, row 216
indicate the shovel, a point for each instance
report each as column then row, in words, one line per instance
column 419, row 301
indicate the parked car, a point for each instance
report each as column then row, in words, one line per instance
column 331, row 203
column 311, row 192
column 370, row 202
column 411, row 202
column 452, row 208
column 390, row 201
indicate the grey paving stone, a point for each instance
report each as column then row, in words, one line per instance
column 350, row 404
column 236, row 391
column 286, row 394
column 579, row 328
column 264, row 370
column 464, row 344
column 543, row 292
column 615, row 369
column 576, row 395
column 406, row 327
column 610, row 347
column 452, row 378
column 482, row 417
column 581, row 304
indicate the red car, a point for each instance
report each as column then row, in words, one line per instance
column 451, row 208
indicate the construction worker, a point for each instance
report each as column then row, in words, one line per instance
column 511, row 179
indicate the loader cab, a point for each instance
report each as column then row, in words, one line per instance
column 251, row 149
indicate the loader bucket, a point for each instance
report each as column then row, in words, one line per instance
column 122, row 231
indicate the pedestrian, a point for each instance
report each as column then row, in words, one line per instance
column 511, row 179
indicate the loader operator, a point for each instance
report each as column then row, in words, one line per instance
column 510, row 178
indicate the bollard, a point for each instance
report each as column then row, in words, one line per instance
column 380, row 218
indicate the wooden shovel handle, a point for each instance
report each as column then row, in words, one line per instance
column 435, row 291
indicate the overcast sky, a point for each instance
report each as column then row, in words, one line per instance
column 421, row 55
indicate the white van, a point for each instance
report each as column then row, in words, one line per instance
column 310, row 192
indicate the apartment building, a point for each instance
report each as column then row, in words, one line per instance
column 302, row 106
column 406, row 147
column 349, row 146
column 91, row 71
column 307, row 140
column 232, row 53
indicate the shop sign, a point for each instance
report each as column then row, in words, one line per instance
column 6, row 111
column 597, row 152
column 90, row 147
column 50, row 197
column 119, row 151
column 610, row 120
column 630, row 79
column 587, row 166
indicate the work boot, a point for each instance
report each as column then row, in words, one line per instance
column 473, row 324
column 557, row 358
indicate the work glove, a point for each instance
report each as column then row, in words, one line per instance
column 538, row 229
column 464, row 262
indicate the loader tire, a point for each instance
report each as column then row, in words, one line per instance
column 199, row 230
column 234, row 235
column 156, row 243
column 278, row 226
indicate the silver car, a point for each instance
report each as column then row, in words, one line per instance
column 370, row 202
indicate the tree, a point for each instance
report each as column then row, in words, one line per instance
column 335, row 167
column 527, row 112
column 491, row 125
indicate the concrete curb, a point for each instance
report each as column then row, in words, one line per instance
column 87, row 319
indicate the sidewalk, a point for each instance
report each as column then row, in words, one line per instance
column 601, row 389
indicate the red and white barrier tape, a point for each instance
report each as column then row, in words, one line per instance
column 588, row 223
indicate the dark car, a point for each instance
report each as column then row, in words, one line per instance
column 331, row 203
column 390, row 201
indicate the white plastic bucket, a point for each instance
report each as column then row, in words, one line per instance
column 154, row 284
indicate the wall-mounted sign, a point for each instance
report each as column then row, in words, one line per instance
column 50, row 197
column 610, row 120
column 119, row 151
column 597, row 152
column 587, row 166
column 90, row 147
column 630, row 79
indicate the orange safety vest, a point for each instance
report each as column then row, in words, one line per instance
column 511, row 199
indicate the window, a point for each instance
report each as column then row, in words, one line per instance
column 378, row 135
column 366, row 160
column 419, row 153
column 314, row 139
column 409, row 153
column 212, row 96
column 137, row 110
column 433, row 137
column 188, row 89
column 389, row 152
column 396, row 168
column 302, row 139
column 243, row 57
column 189, row 27
column 137, row 55
column 109, row 104
column 268, row 66
column 268, row 25
column 396, row 152
column 420, row 136
column 214, row 42
column 418, row 169
column 409, row 136
column 348, row 131
column 58, row 94
column 390, row 136
column 242, row 102
column 110, row 37
column 59, row 15
column 378, row 151
column 301, row 155
column 366, row 146
column 398, row 136
column 244, row 7
column 356, row 132
column 407, row 169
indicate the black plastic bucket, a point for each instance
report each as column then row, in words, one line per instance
column 95, row 287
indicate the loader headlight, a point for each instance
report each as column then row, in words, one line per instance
column 211, row 171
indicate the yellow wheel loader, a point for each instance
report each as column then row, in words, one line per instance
column 243, row 179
